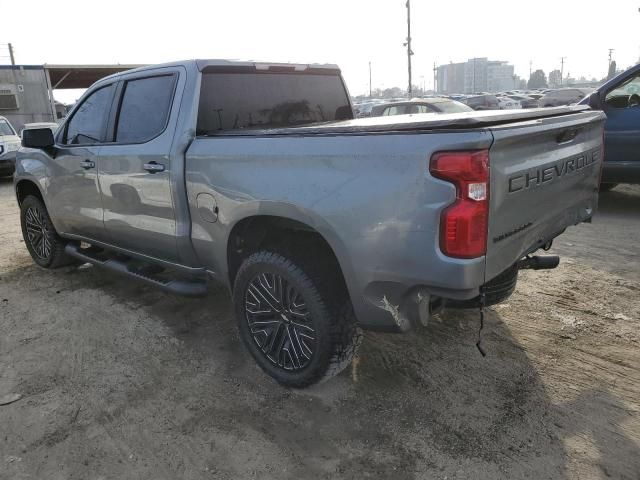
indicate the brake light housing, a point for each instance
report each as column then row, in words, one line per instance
column 464, row 223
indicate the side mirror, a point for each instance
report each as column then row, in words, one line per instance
column 38, row 138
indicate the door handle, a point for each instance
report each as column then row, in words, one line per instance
column 154, row 167
column 87, row 164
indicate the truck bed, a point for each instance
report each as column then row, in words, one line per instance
column 418, row 122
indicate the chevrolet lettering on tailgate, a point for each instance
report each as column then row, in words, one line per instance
column 552, row 172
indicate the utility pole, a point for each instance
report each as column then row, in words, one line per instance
column 369, row 78
column 562, row 70
column 13, row 60
column 530, row 64
column 610, row 53
column 408, row 45
column 473, row 88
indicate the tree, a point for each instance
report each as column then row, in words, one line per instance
column 555, row 79
column 612, row 70
column 537, row 80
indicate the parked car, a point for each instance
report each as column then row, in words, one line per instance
column 425, row 105
column 482, row 102
column 506, row 103
column 257, row 177
column 619, row 98
column 562, row 96
column 30, row 126
column 525, row 101
column 9, row 145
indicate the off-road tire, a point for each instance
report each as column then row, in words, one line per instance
column 53, row 256
column 336, row 334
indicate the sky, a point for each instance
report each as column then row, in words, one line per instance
column 350, row 33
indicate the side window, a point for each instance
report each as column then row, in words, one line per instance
column 88, row 122
column 144, row 108
column 395, row 110
column 619, row 96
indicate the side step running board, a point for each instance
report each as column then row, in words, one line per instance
column 195, row 288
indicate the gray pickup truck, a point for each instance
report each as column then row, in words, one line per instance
column 257, row 176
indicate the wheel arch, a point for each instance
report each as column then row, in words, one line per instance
column 25, row 187
column 251, row 232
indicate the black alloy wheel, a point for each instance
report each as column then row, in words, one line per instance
column 45, row 246
column 299, row 328
column 38, row 234
column 279, row 321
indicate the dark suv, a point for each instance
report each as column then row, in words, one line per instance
column 562, row 96
column 482, row 102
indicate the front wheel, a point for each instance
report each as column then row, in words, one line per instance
column 294, row 327
column 43, row 242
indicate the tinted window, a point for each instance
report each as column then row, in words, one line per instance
column 5, row 128
column 418, row 109
column 88, row 122
column 144, row 109
column 265, row 100
column 452, row 107
column 395, row 110
column 475, row 101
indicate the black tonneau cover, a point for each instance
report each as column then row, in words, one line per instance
column 416, row 122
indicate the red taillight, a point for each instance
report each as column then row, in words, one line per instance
column 463, row 225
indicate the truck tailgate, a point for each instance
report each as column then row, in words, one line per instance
column 544, row 177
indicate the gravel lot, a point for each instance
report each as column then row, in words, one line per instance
column 121, row 381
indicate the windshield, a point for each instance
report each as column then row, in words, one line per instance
column 230, row 101
column 5, row 128
column 452, row 107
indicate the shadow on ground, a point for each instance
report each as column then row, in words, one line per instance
column 621, row 201
column 135, row 382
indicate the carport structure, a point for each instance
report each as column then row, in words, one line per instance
column 61, row 77
column 80, row 76
column 26, row 91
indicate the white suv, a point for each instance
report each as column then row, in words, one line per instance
column 9, row 145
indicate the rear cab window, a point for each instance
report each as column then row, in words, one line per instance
column 246, row 98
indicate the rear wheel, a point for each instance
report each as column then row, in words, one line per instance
column 294, row 326
column 43, row 242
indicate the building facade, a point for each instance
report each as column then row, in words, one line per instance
column 476, row 75
column 26, row 91
column 24, row 95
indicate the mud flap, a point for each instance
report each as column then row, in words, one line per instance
column 481, row 308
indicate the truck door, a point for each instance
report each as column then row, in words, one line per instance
column 622, row 129
column 135, row 168
column 73, row 191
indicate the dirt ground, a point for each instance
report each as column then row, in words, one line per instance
column 121, row 381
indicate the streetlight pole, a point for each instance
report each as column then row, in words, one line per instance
column 473, row 88
column 13, row 60
column 435, row 77
column 369, row 78
column 562, row 70
column 408, row 45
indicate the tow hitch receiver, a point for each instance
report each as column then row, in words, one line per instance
column 539, row 263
